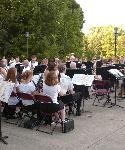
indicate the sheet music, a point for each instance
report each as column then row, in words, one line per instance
column 116, row 73
column 36, row 78
column 6, row 89
column 82, row 79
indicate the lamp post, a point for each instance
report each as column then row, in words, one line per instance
column 116, row 34
column 27, row 43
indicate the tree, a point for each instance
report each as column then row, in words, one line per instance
column 54, row 27
column 101, row 41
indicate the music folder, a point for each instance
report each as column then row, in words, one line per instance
column 82, row 79
column 116, row 73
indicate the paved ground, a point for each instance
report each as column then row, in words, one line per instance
column 103, row 129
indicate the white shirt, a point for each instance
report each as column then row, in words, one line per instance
column 33, row 64
column 27, row 88
column 65, row 83
column 52, row 91
column 13, row 100
column 1, row 77
column 27, row 68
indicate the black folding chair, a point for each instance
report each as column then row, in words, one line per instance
column 11, row 108
column 27, row 111
column 102, row 90
column 68, row 101
column 45, row 103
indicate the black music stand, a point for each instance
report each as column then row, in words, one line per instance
column 39, row 69
column 118, row 75
column 7, row 88
column 71, row 72
column 2, row 138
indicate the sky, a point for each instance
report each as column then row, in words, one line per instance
column 103, row 12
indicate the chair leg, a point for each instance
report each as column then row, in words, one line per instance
column 83, row 104
column 108, row 100
column 52, row 130
column 94, row 101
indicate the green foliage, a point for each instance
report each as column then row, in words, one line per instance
column 100, row 41
column 54, row 27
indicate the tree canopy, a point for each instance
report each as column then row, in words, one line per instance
column 54, row 27
column 101, row 41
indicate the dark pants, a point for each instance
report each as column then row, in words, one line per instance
column 47, row 108
column 83, row 90
column 70, row 98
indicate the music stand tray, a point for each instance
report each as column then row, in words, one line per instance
column 118, row 75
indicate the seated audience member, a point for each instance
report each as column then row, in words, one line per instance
column 51, row 67
column 67, row 87
column 52, row 88
column 13, row 101
column 33, row 63
column 25, row 65
column 26, row 86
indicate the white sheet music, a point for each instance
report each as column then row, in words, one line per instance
column 36, row 78
column 6, row 89
column 116, row 73
column 82, row 79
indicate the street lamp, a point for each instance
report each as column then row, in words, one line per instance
column 116, row 34
column 27, row 38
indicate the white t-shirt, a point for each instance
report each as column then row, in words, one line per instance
column 27, row 68
column 33, row 64
column 27, row 88
column 13, row 100
column 65, row 83
column 1, row 77
column 52, row 91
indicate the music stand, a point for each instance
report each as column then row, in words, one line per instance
column 82, row 82
column 39, row 69
column 2, row 138
column 118, row 75
column 5, row 92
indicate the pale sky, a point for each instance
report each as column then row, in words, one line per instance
column 103, row 12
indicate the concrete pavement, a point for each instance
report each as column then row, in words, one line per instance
column 103, row 129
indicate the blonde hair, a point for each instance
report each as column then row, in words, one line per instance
column 26, row 76
column 51, row 78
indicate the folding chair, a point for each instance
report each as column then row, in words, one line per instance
column 27, row 111
column 68, row 101
column 13, row 95
column 46, row 102
column 102, row 90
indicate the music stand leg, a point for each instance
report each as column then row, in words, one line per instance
column 115, row 104
column 2, row 139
